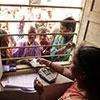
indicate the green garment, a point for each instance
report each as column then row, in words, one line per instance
column 59, row 40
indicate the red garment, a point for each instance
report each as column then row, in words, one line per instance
column 73, row 93
column 46, row 49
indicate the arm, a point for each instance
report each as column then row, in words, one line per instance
column 58, row 68
column 63, row 49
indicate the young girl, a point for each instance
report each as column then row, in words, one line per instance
column 45, row 50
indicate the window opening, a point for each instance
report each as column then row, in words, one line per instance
column 17, row 17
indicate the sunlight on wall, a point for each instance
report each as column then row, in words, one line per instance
column 66, row 2
column 50, row 2
column 14, row 1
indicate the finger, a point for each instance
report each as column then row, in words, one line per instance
column 35, row 80
column 38, row 59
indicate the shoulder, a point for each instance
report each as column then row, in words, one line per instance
column 56, row 38
column 73, row 93
column 22, row 42
column 35, row 43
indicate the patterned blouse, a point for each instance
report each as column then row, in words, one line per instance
column 74, row 93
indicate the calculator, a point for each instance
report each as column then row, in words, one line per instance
column 47, row 75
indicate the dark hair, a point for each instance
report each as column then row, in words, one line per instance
column 42, row 30
column 69, row 23
column 31, row 30
column 88, row 59
column 2, row 40
column 3, row 43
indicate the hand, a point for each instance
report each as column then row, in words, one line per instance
column 42, row 60
column 38, row 86
column 46, row 52
column 70, row 44
column 23, row 61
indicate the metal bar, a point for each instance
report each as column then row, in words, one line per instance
column 32, row 46
column 57, row 33
column 45, row 21
column 42, row 6
column 29, row 57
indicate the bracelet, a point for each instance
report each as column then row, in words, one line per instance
column 50, row 63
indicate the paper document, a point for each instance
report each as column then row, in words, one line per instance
column 34, row 63
column 26, row 80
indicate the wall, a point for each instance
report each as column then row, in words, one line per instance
column 90, row 26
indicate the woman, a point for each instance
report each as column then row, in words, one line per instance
column 32, row 51
column 85, row 72
column 4, row 42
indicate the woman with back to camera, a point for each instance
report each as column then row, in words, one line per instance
column 85, row 72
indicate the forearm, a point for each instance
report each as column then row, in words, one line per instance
column 60, row 69
column 63, row 49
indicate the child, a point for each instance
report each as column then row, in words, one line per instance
column 45, row 50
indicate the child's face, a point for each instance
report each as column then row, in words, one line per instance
column 42, row 37
column 64, row 30
column 31, row 38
